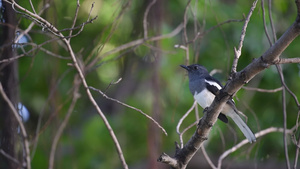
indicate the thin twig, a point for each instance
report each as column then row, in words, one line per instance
column 145, row 22
column 36, row 47
column 41, row 113
column 184, row 116
column 279, row 70
column 141, row 41
column 75, row 19
column 32, row 7
column 211, row 164
column 245, row 141
column 23, row 130
column 31, row 24
column 218, row 25
column 297, row 153
column 64, row 123
column 112, row 27
column 55, row 32
column 263, row 90
column 238, row 52
column 9, row 157
column 185, row 130
column 264, row 21
column 271, row 20
column 186, row 39
column 284, row 118
column 190, row 126
column 90, row 96
column 131, row 107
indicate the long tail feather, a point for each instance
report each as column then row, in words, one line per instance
column 243, row 127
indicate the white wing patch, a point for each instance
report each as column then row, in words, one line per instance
column 213, row 84
column 216, row 85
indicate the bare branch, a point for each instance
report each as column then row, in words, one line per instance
column 245, row 141
column 65, row 121
column 165, row 158
column 264, row 21
column 109, row 128
column 284, row 118
column 186, row 39
column 238, row 52
column 185, row 130
column 9, row 157
column 131, row 107
column 184, row 116
column 222, row 23
column 207, row 158
column 75, row 18
column 184, row 155
column 23, row 130
column 55, row 32
column 32, row 7
column 263, row 90
column 31, row 24
column 287, row 60
column 34, row 141
column 180, row 122
column 141, row 41
column 297, row 153
column 145, row 18
column 271, row 20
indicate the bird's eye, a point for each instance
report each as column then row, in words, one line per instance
column 196, row 67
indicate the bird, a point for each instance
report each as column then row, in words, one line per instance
column 204, row 89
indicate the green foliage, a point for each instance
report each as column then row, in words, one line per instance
column 46, row 81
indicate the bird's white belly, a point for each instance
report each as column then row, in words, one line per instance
column 204, row 98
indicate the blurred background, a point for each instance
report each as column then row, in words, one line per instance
column 151, row 80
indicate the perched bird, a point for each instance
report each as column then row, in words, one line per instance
column 204, row 88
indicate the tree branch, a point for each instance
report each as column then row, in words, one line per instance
column 23, row 130
column 238, row 52
column 287, row 60
column 245, row 141
column 131, row 107
column 45, row 24
column 62, row 126
column 184, row 155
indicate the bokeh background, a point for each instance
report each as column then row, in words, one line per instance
column 152, row 81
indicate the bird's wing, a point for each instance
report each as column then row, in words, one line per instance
column 214, row 87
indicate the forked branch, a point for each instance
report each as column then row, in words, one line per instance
column 271, row 56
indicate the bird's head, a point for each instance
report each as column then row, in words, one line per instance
column 195, row 70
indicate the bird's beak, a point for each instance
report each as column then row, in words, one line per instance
column 185, row 67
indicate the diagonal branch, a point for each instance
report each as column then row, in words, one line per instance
column 245, row 141
column 23, row 130
column 238, row 52
column 131, row 107
column 184, row 155
column 55, row 31
column 65, row 122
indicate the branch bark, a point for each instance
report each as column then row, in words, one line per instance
column 239, row 79
column 48, row 26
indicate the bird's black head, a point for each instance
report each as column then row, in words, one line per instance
column 195, row 70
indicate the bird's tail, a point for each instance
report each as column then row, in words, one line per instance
column 243, row 127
